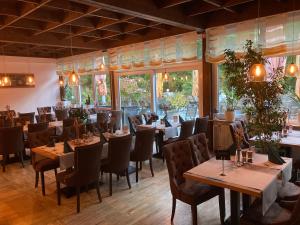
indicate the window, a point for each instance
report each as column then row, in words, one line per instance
column 86, row 88
column 71, row 92
column 177, row 94
column 102, row 90
column 135, row 94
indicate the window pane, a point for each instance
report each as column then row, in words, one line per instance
column 135, row 93
column 103, row 96
column 177, row 94
column 71, row 92
column 86, row 85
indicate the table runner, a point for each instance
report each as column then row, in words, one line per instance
column 259, row 178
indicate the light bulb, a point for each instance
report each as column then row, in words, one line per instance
column 102, row 66
column 166, row 76
column 292, row 69
column 61, row 82
column 5, row 80
column 257, row 71
column 30, row 80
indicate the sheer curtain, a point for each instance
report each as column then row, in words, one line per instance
column 274, row 34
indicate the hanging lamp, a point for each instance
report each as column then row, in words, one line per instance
column 29, row 77
column 166, row 76
column 73, row 76
column 257, row 72
column 292, row 68
column 102, row 65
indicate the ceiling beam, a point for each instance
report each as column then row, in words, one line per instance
column 26, row 9
column 49, row 39
column 147, row 10
column 170, row 3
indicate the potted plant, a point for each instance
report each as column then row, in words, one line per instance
column 231, row 102
column 261, row 100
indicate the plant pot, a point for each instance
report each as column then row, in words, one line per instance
column 229, row 116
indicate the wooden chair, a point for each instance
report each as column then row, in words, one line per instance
column 118, row 158
column 179, row 160
column 44, row 110
column 11, row 142
column 37, row 139
column 61, row 114
column 143, row 148
column 87, row 169
column 27, row 116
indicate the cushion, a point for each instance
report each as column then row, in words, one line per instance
column 289, row 192
column 46, row 164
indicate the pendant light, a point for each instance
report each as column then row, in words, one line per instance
column 166, row 76
column 102, row 65
column 61, row 81
column 292, row 69
column 257, row 72
column 73, row 76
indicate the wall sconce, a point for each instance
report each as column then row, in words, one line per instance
column 6, row 81
column 30, row 80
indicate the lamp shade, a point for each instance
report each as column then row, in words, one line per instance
column 6, row 81
column 166, row 76
column 30, row 80
column 73, row 79
column 257, row 73
column 292, row 70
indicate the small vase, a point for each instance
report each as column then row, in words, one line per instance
column 229, row 116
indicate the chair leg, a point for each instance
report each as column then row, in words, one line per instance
column 173, row 208
column 151, row 167
column 194, row 214
column 136, row 171
column 55, row 172
column 4, row 162
column 43, row 183
column 127, row 177
column 78, row 199
column 141, row 165
column 21, row 158
column 37, row 174
column 222, row 207
column 98, row 191
column 110, row 184
column 118, row 177
column 58, row 192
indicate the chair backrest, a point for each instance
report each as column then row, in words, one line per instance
column 27, row 116
column 44, row 110
column 38, row 138
column 68, row 122
column 200, row 148
column 143, row 147
column 35, row 127
column 119, row 153
column 61, row 114
column 234, row 127
column 186, row 129
column 201, row 125
column 117, row 116
column 134, row 121
column 44, row 118
column 179, row 160
column 11, row 140
column 87, row 164
column 102, row 121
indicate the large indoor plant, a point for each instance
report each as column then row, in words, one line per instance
column 261, row 100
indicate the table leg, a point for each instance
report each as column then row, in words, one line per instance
column 246, row 202
column 235, row 207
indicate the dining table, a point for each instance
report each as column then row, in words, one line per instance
column 260, row 179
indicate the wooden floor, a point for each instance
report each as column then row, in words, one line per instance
column 146, row 203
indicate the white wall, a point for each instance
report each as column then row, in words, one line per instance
column 45, row 92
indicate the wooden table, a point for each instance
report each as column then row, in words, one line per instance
column 257, row 179
column 51, row 124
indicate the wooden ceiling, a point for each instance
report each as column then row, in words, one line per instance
column 46, row 28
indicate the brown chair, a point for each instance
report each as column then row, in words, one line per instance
column 35, row 127
column 87, row 170
column 27, row 116
column 200, row 148
column 37, row 139
column 276, row 215
column 201, row 125
column 11, row 142
column 185, row 132
column 44, row 110
column 68, row 122
column 102, row 121
column 61, row 114
column 44, row 118
column 117, row 116
column 134, row 121
column 143, row 148
column 179, row 160
column 233, row 129
column 118, row 158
